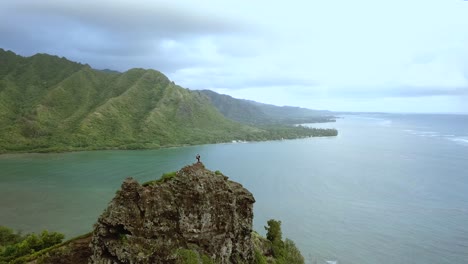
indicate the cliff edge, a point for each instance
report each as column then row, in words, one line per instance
column 190, row 216
column 192, row 209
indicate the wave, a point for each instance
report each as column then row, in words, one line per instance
column 462, row 140
column 423, row 133
column 385, row 123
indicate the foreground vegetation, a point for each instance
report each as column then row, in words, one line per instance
column 275, row 250
column 47, row 248
column 14, row 245
column 50, row 104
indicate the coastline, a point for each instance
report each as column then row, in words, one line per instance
column 71, row 150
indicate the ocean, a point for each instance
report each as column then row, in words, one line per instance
column 390, row 188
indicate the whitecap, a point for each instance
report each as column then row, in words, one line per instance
column 427, row 133
column 460, row 140
column 423, row 133
column 385, row 123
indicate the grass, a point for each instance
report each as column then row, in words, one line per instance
column 188, row 256
column 164, row 178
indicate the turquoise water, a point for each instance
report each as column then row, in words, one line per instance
column 388, row 189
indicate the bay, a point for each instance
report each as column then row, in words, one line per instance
column 387, row 189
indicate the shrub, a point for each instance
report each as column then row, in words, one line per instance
column 17, row 245
column 165, row 177
column 284, row 251
column 291, row 253
column 187, row 256
column 259, row 258
column 8, row 236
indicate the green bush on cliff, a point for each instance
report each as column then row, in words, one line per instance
column 187, row 256
column 284, row 252
column 13, row 245
column 259, row 258
column 8, row 237
column 165, row 177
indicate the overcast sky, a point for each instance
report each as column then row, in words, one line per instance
column 344, row 55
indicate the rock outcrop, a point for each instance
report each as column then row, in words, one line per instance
column 193, row 209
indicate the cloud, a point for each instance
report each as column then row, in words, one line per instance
column 140, row 17
column 340, row 50
column 220, row 78
column 115, row 34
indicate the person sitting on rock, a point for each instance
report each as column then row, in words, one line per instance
column 198, row 158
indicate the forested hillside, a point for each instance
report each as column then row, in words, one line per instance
column 251, row 112
column 49, row 103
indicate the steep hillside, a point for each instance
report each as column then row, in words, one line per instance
column 49, row 103
column 251, row 112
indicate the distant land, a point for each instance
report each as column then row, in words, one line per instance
column 51, row 104
column 251, row 112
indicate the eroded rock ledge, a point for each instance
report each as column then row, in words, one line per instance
column 193, row 209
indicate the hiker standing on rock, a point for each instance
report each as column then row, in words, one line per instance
column 198, row 158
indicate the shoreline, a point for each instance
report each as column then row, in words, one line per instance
column 55, row 151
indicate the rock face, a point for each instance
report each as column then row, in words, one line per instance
column 194, row 209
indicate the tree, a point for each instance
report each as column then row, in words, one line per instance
column 275, row 236
column 8, row 236
column 285, row 252
column 273, row 230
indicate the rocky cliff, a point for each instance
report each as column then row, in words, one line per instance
column 190, row 216
column 193, row 209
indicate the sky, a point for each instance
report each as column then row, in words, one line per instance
column 341, row 55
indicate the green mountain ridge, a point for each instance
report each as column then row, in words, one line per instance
column 251, row 112
column 48, row 103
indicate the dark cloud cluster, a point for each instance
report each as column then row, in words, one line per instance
column 133, row 18
column 253, row 48
column 109, row 34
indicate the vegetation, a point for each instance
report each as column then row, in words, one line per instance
column 250, row 112
column 50, row 104
column 284, row 252
column 14, row 245
column 259, row 258
column 273, row 229
column 55, row 252
column 165, row 177
column 17, row 249
column 187, row 256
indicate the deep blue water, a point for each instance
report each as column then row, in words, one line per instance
column 388, row 189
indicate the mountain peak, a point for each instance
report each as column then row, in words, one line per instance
column 191, row 209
